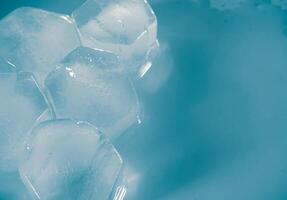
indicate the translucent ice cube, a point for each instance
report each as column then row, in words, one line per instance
column 70, row 161
column 87, row 86
column 34, row 40
column 127, row 27
column 21, row 106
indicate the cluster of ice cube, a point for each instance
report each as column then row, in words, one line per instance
column 66, row 86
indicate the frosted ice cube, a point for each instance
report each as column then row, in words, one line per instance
column 34, row 40
column 70, row 160
column 21, row 106
column 87, row 86
column 226, row 4
column 127, row 27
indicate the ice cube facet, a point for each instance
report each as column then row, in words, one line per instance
column 88, row 87
column 34, row 40
column 128, row 28
column 21, row 106
column 70, row 160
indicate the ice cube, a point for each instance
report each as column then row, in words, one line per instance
column 88, row 87
column 34, row 40
column 127, row 27
column 70, row 160
column 226, row 4
column 21, row 106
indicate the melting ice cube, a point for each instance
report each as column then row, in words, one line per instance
column 34, row 40
column 70, row 160
column 21, row 106
column 128, row 28
column 88, row 87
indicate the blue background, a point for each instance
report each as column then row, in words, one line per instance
column 214, row 104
